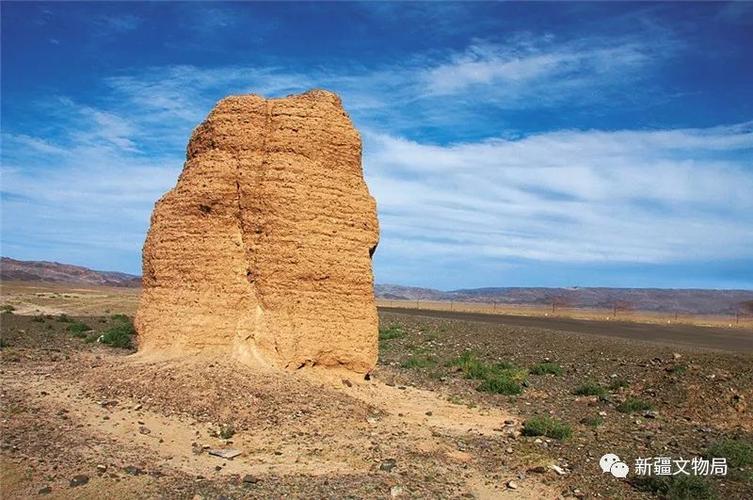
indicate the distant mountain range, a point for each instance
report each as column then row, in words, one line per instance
column 683, row 301
column 54, row 272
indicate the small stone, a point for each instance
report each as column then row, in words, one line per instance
column 388, row 465
column 396, row 491
column 45, row 491
column 144, row 430
column 676, row 355
column 101, row 468
column 78, row 480
column 508, row 450
column 512, row 485
column 226, row 453
column 347, row 383
column 429, row 414
column 559, row 470
column 249, row 479
column 539, row 469
column 651, row 414
column 538, row 441
column 602, row 414
column 137, row 407
column 217, row 468
column 133, row 470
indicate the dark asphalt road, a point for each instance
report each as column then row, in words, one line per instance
column 733, row 340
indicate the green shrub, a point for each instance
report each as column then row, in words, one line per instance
column 120, row 317
column 226, row 431
column 631, row 405
column 546, row 368
column 739, row 453
column 592, row 421
column 390, row 333
column 119, row 335
column 546, row 426
column 471, row 366
column 676, row 487
column 589, row 389
column 618, row 383
column 677, row 369
column 77, row 328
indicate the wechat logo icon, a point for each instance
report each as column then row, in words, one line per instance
column 611, row 463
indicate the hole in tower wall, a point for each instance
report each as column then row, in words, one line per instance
column 205, row 209
column 250, row 277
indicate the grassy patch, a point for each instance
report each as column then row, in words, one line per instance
column 390, row 333
column 677, row 369
column 677, row 487
column 64, row 318
column 500, row 384
column 738, row 452
column 7, row 309
column 120, row 335
column 631, row 405
column 38, row 319
column 594, row 422
column 618, row 383
column 589, row 389
column 497, row 378
column 419, row 362
column 120, row 317
column 546, row 426
column 546, row 368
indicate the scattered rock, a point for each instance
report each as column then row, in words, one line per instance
column 559, row 470
column 249, row 479
column 45, row 490
column 101, row 468
column 144, row 430
column 512, row 485
column 388, row 465
column 347, row 382
column 78, row 480
column 429, row 414
column 539, row 469
column 226, row 453
column 396, row 491
column 133, row 470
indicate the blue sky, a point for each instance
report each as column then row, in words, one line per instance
column 515, row 144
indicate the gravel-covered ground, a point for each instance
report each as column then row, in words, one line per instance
column 84, row 420
column 697, row 399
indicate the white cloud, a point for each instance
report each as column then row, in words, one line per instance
column 574, row 196
column 564, row 195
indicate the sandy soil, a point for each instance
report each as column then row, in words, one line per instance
column 145, row 428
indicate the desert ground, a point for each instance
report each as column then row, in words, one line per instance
column 457, row 408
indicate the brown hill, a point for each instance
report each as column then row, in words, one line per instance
column 55, row 272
